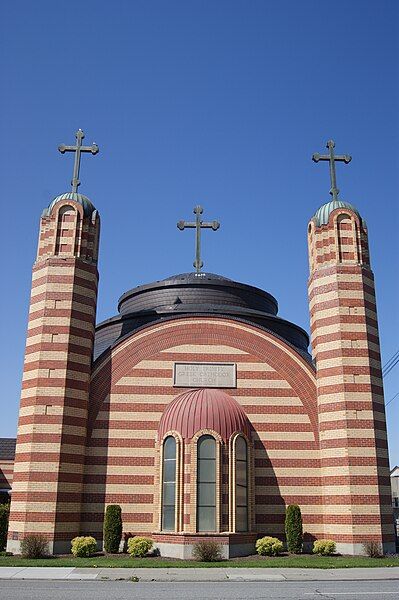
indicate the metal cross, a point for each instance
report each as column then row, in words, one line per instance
column 198, row 225
column 78, row 149
column 332, row 158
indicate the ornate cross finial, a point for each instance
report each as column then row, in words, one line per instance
column 331, row 157
column 198, row 225
column 78, row 149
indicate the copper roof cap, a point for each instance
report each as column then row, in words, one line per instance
column 195, row 410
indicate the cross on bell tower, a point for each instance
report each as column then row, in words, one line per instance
column 198, row 225
column 332, row 158
column 78, row 149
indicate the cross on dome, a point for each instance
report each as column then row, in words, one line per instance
column 332, row 158
column 78, row 149
column 198, row 224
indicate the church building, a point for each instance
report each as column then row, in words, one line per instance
column 196, row 408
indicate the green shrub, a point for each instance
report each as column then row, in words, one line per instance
column 112, row 528
column 293, row 529
column 4, row 514
column 139, row 546
column 207, row 551
column 34, row 545
column 83, row 546
column 324, row 547
column 269, row 546
column 373, row 549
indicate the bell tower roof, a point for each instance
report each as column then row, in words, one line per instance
column 322, row 215
column 84, row 201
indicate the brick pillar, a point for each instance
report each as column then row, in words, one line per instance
column 345, row 341
column 49, row 460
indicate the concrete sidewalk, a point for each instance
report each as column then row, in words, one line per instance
column 192, row 574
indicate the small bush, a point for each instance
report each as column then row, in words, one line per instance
column 324, row 547
column 34, row 545
column 4, row 514
column 373, row 549
column 269, row 546
column 83, row 546
column 112, row 528
column 207, row 551
column 139, row 546
column 293, row 529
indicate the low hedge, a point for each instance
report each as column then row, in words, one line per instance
column 139, row 546
column 269, row 546
column 34, row 545
column 83, row 546
column 324, row 547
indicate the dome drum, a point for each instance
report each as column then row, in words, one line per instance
column 192, row 289
column 191, row 295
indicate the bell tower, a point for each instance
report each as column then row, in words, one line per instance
column 345, row 341
column 49, row 460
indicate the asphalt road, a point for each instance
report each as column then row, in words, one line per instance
column 128, row 590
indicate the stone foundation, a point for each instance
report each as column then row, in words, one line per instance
column 180, row 545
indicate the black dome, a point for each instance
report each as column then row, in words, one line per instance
column 192, row 292
column 196, row 277
column 197, row 294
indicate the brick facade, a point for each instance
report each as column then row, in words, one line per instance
column 88, row 432
column 131, row 388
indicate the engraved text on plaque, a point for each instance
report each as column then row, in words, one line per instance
column 220, row 375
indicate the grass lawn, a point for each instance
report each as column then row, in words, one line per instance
column 304, row 561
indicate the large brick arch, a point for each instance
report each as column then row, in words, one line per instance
column 205, row 330
column 132, row 385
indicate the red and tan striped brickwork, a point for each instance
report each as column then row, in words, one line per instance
column 344, row 331
column 87, row 435
column 131, row 388
column 49, row 461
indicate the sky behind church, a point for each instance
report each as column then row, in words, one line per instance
column 219, row 103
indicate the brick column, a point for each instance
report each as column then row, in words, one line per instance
column 345, row 341
column 49, row 460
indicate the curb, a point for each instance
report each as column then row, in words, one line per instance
column 198, row 575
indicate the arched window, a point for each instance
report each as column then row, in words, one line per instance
column 206, row 483
column 65, row 236
column 241, row 488
column 346, row 238
column 169, row 484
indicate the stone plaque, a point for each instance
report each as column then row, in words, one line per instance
column 218, row 375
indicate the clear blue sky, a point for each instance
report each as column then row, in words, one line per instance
column 221, row 103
